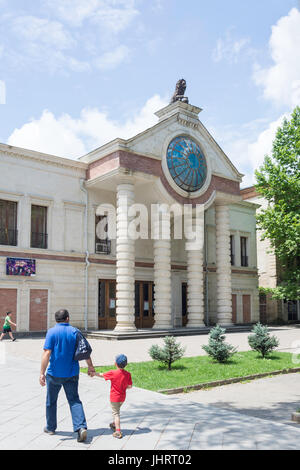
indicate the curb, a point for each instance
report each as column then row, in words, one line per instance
column 217, row 383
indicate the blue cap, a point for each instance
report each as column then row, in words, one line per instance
column 121, row 360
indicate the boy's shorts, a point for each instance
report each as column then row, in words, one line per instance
column 115, row 406
column 6, row 330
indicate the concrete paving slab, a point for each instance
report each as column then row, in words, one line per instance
column 149, row 420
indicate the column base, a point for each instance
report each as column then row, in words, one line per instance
column 125, row 328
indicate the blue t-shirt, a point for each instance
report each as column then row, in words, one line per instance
column 61, row 339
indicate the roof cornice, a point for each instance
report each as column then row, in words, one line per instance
column 53, row 160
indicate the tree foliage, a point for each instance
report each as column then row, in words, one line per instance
column 217, row 348
column 278, row 181
column 169, row 353
column 261, row 341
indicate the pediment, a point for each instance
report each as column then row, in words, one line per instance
column 154, row 141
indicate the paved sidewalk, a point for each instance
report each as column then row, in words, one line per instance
column 104, row 352
column 272, row 398
column 150, row 420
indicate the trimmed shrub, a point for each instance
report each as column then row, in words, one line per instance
column 217, row 348
column 261, row 340
column 169, row 353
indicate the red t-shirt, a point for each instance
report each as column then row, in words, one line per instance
column 120, row 379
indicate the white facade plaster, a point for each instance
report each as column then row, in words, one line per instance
column 28, row 178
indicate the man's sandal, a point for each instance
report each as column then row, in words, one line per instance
column 118, row 434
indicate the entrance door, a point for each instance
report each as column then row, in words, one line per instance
column 38, row 309
column 107, row 305
column 8, row 303
column 144, row 304
column 234, row 317
column 246, row 308
column 184, row 303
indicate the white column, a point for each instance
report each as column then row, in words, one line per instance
column 224, row 299
column 125, row 255
column 162, row 272
column 195, row 284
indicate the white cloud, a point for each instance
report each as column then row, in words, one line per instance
column 114, row 15
column 112, row 59
column 60, row 43
column 230, row 49
column 72, row 138
column 42, row 31
column 281, row 81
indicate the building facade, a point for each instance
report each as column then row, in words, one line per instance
column 53, row 254
column 269, row 271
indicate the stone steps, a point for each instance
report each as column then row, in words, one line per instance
column 158, row 333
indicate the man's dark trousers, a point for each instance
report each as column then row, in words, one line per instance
column 70, row 385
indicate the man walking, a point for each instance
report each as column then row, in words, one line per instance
column 63, row 371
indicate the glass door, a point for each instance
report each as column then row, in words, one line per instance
column 107, row 305
column 144, row 305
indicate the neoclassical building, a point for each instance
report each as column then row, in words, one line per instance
column 53, row 255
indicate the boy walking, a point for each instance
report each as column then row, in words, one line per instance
column 120, row 381
column 7, row 327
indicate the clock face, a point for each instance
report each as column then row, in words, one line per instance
column 186, row 164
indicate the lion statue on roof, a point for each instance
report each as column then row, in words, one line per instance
column 179, row 92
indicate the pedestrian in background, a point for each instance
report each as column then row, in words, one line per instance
column 7, row 327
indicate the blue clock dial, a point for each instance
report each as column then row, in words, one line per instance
column 186, row 164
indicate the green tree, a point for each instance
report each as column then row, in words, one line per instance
column 261, row 341
column 278, row 181
column 169, row 353
column 217, row 348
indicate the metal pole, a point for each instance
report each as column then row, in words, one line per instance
column 206, row 272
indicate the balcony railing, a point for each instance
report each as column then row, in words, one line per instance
column 103, row 247
column 244, row 261
column 8, row 237
column 39, row 240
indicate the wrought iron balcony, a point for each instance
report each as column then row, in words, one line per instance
column 39, row 240
column 8, row 237
column 103, row 247
column 244, row 261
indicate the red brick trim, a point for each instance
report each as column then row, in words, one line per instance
column 10, row 254
column 134, row 162
column 248, row 193
column 241, row 271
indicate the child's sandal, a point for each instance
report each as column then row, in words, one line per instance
column 118, row 435
column 112, row 426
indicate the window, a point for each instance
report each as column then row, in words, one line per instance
column 232, row 250
column 39, row 237
column 8, row 223
column 102, row 243
column 244, row 253
column 263, row 309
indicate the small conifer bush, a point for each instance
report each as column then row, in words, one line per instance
column 169, row 353
column 217, row 348
column 261, row 341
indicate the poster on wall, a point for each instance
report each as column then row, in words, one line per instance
column 20, row 267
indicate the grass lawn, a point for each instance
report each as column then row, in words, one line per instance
column 196, row 370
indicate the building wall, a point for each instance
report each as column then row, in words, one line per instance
column 30, row 179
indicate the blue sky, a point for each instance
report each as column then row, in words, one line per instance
column 75, row 74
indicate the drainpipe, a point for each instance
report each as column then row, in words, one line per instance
column 87, row 263
column 206, row 271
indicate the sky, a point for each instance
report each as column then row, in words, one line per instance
column 75, row 74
